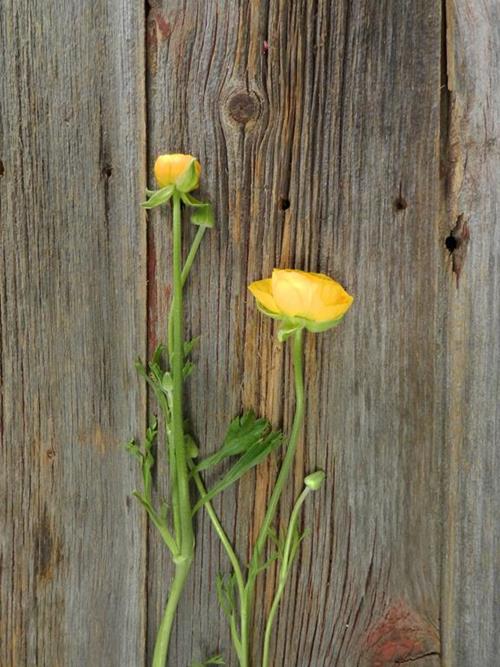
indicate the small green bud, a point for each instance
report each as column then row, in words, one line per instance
column 315, row 480
column 191, row 447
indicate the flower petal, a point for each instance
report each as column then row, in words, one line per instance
column 313, row 296
column 262, row 291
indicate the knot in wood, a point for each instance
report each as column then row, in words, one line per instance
column 243, row 107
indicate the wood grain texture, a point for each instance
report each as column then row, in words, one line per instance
column 333, row 108
column 471, row 565
column 345, row 137
column 72, row 319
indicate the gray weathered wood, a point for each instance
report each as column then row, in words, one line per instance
column 471, row 567
column 72, row 319
column 345, row 137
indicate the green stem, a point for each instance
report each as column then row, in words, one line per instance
column 283, row 573
column 186, row 269
column 180, row 490
column 186, row 540
column 247, row 603
column 170, row 345
column 233, row 558
column 163, row 637
column 192, row 254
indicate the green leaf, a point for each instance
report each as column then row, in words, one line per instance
column 190, row 345
column 156, row 372
column 158, row 354
column 167, row 383
column 225, row 586
column 148, row 459
column 214, row 660
column 133, row 448
column 242, row 433
column 158, row 197
column 187, row 369
column 255, row 453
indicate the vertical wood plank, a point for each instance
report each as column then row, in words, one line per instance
column 471, row 614
column 72, row 319
column 318, row 127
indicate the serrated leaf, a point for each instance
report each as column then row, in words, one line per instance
column 156, row 372
column 158, row 197
column 148, row 460
column 214, row 660
column 190, row 345
column 242, row 433
column 187, row 369
column 224, row 585
column 256, row 453
column 133, row 448
column 158, row 353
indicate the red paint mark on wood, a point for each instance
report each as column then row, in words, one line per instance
column 401, row 635
column 163, row 25
column 158, row 30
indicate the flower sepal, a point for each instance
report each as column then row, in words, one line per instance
column 319, row 327
column 189, row 179
column 203, row 215
column 158, row 197
column 288, row 328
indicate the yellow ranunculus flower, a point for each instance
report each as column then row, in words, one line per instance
column 312, row 300
column 171, row 169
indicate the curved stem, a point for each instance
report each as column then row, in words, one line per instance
column 233, row 558
column 283, row 573
column 247, row 603
column 163, row 637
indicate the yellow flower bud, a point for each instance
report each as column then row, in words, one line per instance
column 172, row 169
column 312, row 300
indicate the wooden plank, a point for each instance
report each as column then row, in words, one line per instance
column 471, row 568
column 72, row 319
column 318, row 127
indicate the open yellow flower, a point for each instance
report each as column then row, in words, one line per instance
column 310, row 300
column 176, row 169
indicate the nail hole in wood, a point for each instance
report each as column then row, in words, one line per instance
column 107, row 171
column 451, row 243
column 284, row 203
column 400, row 203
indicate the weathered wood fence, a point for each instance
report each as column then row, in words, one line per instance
column 345, row 137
